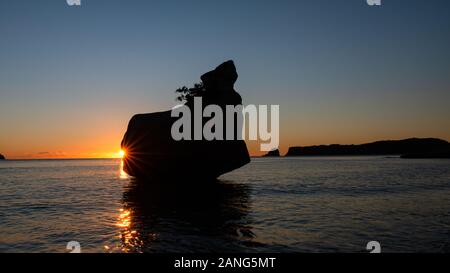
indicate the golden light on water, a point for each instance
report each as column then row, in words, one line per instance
column 130, row 238
column 124, row 219
column 122, row 173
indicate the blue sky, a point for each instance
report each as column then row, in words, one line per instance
column 341, row 71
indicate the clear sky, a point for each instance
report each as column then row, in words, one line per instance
column 341, row 71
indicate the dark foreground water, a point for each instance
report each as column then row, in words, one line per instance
column 332, row 204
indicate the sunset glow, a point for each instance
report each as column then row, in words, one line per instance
column 332, row 78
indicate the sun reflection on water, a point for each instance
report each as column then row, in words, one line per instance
column 130, row 239
column 122, row 173
column 124, row 218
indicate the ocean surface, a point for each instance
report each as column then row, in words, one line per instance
column 318, row 204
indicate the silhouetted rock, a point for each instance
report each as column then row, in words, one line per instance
column 2, row 157
column 387, row 147
column 152, row 152
column 273, row 153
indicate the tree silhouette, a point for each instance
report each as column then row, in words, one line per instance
column 188, row 94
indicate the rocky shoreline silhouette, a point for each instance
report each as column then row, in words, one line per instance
column 273, row 153
column 406, row 148
column 151, row 151
column 2, row 157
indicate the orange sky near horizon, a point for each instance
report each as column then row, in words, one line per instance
column 96, row 130
column 106, row 144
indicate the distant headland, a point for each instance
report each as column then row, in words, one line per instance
column 406, row 148
column 2, row 157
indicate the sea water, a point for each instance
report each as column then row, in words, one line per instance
column 301, row 204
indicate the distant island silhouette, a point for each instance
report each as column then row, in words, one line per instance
column 2, row 157
column 273, row 153
column 406, row 148
column 150, row 150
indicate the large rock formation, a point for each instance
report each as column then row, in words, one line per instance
column 387, row 147
column 152, row 152
column 2, row 157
